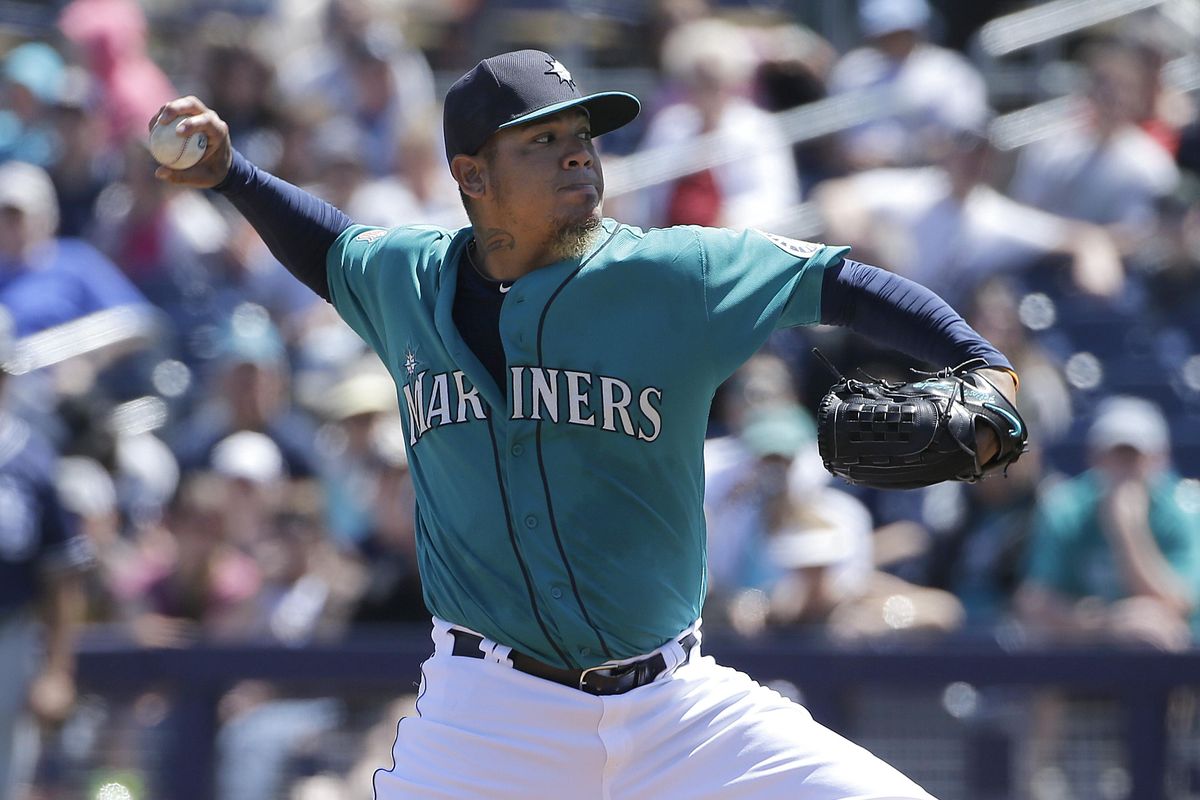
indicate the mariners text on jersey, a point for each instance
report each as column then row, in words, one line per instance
column 568, row 396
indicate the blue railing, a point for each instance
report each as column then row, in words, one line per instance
column 1140, row 682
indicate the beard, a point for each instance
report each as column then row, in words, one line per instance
column 575, row 238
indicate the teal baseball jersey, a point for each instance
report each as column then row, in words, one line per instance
column 1071, row 554
column 561, row 514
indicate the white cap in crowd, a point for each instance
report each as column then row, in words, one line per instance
column 85, row 487
column 881, row 17
column 1130, row 421
column 365, row 392
column 29, row 189
column 249, row 455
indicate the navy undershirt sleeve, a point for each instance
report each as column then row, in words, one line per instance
column 298, row 227
column 901, row 314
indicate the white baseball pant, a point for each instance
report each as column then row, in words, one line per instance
column 701, row 732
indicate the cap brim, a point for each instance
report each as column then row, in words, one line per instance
column 607, row 110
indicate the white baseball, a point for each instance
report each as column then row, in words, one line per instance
column 171, row 149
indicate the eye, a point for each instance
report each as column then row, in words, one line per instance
column 585, row 135
column 543, row 138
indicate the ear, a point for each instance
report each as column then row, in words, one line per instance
column 470, row 172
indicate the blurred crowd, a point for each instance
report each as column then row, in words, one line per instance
column 194, row 447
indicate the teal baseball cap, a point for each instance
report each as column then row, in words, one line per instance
column 518, row 87
column 778, row 431
column 250, row 337
column 38, row 67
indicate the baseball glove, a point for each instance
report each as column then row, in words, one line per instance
column 908, row 435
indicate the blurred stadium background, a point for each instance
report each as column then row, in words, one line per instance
column 233, row 456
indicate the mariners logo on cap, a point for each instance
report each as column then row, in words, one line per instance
column 556, row 68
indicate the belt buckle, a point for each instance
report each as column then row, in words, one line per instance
column 616, row 673
column 583, row 675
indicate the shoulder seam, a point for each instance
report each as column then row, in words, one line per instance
column 628, row 229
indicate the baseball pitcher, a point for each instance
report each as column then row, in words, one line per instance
column 554, row 370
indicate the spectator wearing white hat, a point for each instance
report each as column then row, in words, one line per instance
column 254, row 468
column 1115, row 555
column 747, row 499
column 46, row 280
column 933, row 88
column 358, row 409
column 788, row 549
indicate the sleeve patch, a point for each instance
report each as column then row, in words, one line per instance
column 795, row 247
column 371, row 235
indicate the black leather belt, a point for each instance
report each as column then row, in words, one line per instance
column 605, row 679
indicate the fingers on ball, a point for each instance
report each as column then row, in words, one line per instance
column 180, row 107
column 156, row 118
column 206, row 122
column 187, row 105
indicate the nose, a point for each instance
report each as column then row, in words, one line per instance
column 579, row 155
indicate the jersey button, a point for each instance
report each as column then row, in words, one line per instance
column 531, row 521
column 585, row 651
column 556, row 593
column 517, row 449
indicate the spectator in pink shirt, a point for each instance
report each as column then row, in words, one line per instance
column 111, row 38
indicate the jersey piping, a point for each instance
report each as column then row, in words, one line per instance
column 512, row 538
column 562, row 554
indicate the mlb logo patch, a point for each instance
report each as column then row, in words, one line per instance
column 371, row 235
column 797, row 247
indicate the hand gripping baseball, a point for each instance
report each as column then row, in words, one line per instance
column 953, row 425
column 198, row 118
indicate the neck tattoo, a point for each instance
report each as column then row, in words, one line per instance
column 502, row 286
